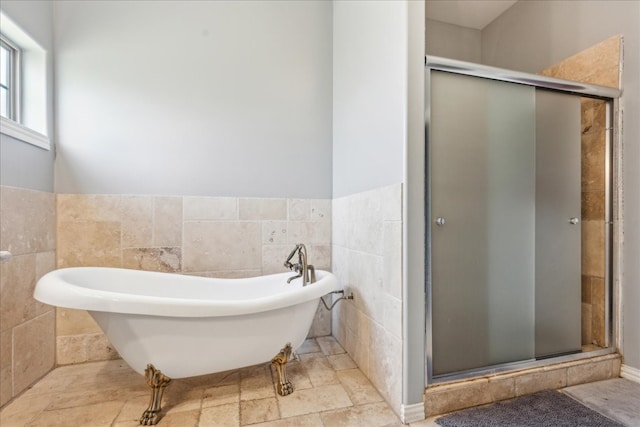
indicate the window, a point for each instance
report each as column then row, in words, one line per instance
column 24, row 86
column 9, row 75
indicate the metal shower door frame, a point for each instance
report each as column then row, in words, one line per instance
column 608, row 94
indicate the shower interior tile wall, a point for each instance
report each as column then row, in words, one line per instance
column 27, row 328
column 367, row 259
column 599, row 65
column 204, row 236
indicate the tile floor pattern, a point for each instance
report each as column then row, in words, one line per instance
column 329, row 391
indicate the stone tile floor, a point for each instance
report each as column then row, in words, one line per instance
column 329, row 391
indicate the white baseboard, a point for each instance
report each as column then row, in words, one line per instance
column 630, row 373
column 412, row 413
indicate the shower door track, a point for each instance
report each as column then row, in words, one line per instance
column 609, row 94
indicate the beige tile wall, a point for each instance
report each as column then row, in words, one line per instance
column 205, row 236
column 27, row 327
column 367, row 259
column 599, row 64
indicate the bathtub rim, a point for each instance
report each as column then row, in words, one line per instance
column 52, row 289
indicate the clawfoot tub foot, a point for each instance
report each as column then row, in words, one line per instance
column 284, row 386
column 158, row 382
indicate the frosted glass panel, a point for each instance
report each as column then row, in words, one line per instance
column 558, row 277
column 482, row 169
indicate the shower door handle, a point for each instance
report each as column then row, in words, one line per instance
column 440, row 221
column 573, row 220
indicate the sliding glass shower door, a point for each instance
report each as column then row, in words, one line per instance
column 504, row 167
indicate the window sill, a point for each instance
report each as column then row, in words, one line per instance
column 24, row 134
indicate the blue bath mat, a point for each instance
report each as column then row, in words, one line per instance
column 545, row 409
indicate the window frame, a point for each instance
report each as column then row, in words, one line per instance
column 13, row 83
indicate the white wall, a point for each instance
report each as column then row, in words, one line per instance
column 533, row 35
column 369, row 94
column 194, row 98
column 21, row 164
column 453, row 41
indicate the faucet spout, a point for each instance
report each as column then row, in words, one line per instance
column 304, row 270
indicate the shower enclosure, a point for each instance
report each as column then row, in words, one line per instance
column 506, row 169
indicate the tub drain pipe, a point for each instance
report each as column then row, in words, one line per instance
column 330, row 307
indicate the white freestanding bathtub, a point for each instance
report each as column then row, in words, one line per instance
column 185, row 325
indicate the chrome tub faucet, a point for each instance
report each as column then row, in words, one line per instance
column 304, row 270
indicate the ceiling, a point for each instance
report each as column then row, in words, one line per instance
column 467, row 13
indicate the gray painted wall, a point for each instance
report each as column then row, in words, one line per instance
column 194, row 98
column 533, row 35
column 369, row 95
column 453, row 41
column 21, row 164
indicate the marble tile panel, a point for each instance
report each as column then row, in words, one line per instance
column 96, row 415
column 6, row 366
column 227, row 415
column 256, row 382
column 385, row 365
column 593, row 259
column 74, row 322
column 167, row 221
column 33, row 350
column 321, row 325
column 274, row 232
column 181, row 419
column 587, row 323
column 358, row 387
column 598, row 329
column 309, row 232
column 137, row 221
column 452, row 397
column 593, row 161
column 221, row 395
column 589, row 372
column 167, row 259
column 45, row 263
column 27, row 220
column 262, row 209
column 71, row 349
column 230, row 274
column 257, row 411
column 298, row 209
column 329, row 345
column 319, row 256
column 311, row 420
column 341, row 361
column 593, row 206
column 367, row 237
column 308, row 346
column 586, row 289
column 534, row 382
column 392, row 316
column 502, row 388
column 323, row 398
column 98, row 347
column 392, row 253
column 210, row 208
column 319, row 369
column 88, row 207
column 95, row 244
column 179, row 397
column 321, row 210
column 17, row 282
column 371, row 415
column 211, row 246
column 273, row 258
column 22, row 410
